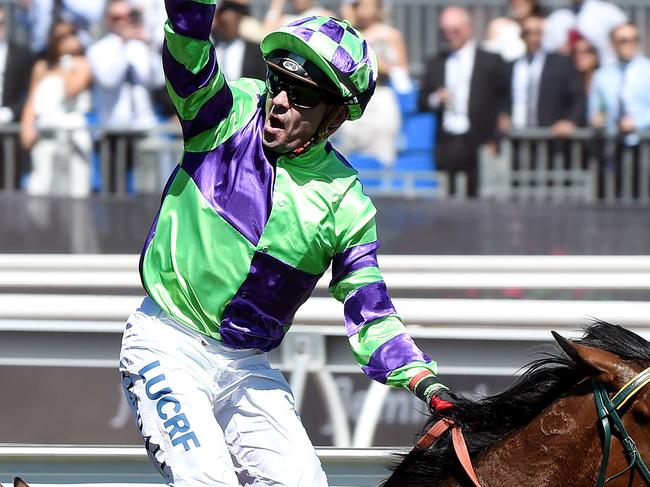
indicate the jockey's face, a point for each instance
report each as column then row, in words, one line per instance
column 288, row 127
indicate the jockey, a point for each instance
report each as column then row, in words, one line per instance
column 259, row 207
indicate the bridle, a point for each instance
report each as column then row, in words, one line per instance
column 608, row 410
column 458, row 442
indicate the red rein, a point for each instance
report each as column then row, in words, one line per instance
column 460, row 447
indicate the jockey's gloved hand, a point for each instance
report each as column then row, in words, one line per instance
column 440, row 401
column 426, row 387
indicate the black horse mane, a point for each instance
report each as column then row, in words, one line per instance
column 487, row 420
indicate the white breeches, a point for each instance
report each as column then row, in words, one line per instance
column 209, row 414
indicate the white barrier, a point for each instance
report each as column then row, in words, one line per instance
column 108, row 313
column 84, row 331
column 38, row 329
column 429, row 318
column 120, row 272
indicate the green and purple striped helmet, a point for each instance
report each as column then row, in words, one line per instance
column 338, row 49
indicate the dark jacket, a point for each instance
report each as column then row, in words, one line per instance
column 18, row 72
column 488, row 94
column 253, row 65
column 561, row 92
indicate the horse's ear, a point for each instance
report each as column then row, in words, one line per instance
column 597, row 363
column 18, row 482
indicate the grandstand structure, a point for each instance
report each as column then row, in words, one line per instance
column 570, row 176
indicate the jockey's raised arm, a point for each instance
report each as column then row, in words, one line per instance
column 197, row 87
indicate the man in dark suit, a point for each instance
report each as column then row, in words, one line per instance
column 237, row 57
column 546, row 91
column 16, row 64
column 467, row 88
column 546, row 88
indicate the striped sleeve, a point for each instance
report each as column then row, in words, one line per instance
column 196, row 85
column 379, row 340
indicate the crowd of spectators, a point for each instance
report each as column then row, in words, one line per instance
column 98, row 64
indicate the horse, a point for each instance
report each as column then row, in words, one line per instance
column 553, row 426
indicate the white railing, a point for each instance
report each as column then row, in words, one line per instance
column 61, row 329
column 120, row 272
column 480, row 319
column 84, row 331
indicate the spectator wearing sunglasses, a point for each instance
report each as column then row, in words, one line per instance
column 546, row 89
column 467, row 89
column 619, row 101
column 259, row 207
column 619, row 98
column 123, row 78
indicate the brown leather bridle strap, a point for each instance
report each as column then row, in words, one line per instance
column 457, row 439
column 463, row 455
column 435, row 432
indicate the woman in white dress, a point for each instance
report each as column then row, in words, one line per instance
column 53, row 124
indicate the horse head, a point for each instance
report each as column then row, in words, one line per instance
column 622, row 403
column 611, row 370
column 546, row 429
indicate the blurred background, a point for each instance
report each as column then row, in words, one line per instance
column 506, row 149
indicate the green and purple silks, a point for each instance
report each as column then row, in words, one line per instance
column 243, row 236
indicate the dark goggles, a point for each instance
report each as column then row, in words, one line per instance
column 300, row 94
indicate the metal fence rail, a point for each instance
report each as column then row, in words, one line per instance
column 590, row 165
column 84, row 331
column 488, row 318
column 531, row 165
column 119, row 273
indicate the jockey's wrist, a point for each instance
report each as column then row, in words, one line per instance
column 434, row 390
column 425, row 385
